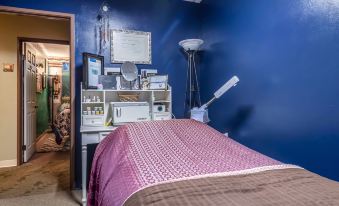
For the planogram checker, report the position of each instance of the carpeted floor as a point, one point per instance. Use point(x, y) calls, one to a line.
point(46, 143)
point(44, 180)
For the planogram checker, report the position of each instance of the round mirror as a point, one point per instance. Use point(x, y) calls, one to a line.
point(129, 71)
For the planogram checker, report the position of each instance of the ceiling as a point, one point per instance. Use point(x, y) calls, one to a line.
point(195, 1)
point(55, 50)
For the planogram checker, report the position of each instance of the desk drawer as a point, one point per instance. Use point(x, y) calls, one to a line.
point(89, 120)
point(103, 135)
point(90, 138)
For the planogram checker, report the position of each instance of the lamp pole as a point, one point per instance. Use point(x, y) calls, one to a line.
point(192, 85)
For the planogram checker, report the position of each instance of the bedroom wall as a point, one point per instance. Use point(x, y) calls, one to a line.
point(169, 21)
point(285, 53)
point(12, 27)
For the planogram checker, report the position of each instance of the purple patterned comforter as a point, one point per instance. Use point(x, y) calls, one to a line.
point(142, 154)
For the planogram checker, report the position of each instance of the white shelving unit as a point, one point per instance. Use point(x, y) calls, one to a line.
point(153, 97)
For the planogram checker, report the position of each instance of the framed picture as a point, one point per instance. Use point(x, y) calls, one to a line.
point(44, 80)
point(29, 56)
point(33, 60)
point(112, 71)
point(158, 82)
point(39, 83)
point(93, 67)
point(131, 46)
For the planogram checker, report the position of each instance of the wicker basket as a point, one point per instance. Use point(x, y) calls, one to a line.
point(128, 97)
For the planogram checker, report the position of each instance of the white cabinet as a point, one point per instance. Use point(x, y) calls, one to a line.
point(93, 120)
point(97, 106)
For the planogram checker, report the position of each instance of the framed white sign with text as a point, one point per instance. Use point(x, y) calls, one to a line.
point(131, 46)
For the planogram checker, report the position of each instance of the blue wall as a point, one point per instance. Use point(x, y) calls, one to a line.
point(286, 53)
point(169, 21)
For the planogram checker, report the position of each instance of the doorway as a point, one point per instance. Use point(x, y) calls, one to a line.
point(46, 97)
point(20, 89)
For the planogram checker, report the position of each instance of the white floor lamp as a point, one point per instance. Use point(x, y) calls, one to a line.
point(191, 46)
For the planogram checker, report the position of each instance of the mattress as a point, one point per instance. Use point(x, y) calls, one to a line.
point(276, 187)
point(139, 163)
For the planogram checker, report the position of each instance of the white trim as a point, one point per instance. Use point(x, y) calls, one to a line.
point(8, 163)
point(223, 174)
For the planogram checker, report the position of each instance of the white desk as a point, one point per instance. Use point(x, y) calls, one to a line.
point(90, 135)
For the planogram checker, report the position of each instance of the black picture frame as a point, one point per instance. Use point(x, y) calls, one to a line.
point(86, 57)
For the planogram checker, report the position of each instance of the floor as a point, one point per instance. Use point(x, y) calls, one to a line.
point(47, 143)
point(44, 180)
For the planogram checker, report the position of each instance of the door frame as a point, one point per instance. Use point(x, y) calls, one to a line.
point(55, 15)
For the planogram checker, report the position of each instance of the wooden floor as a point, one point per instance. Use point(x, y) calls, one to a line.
point(45, 175)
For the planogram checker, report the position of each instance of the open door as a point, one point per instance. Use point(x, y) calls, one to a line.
point(30, 75)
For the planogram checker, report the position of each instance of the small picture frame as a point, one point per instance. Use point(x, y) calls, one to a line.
point(44, 80)
point(158, 82)
point(29, 56)
point(39, 83)
point(8, 68)
point(33, 60)
point(93, 67)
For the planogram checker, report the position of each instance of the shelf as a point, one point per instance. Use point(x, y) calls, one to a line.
point(161, 101)
point(127, 90)
point(93, 102)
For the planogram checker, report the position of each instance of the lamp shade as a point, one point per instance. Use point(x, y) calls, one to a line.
point(191, 44)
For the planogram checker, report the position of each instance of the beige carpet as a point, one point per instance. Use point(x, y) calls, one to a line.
point(46, 143)
point(42, 181)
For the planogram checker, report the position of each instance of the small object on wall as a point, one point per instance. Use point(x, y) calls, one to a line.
point(56, 86)
point(29, 56)
point(8, 68)
point(93, 67)
point(102, 28)
point(44, 81)
point(39, 83)
point(158, 82)
point(33, 60)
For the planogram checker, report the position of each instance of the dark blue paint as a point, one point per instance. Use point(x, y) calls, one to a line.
point(169, 21)
point(286, 55)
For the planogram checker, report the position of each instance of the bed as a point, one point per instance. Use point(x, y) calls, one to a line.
point(185, 162)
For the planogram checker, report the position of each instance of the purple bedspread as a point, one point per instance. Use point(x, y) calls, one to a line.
point(141, 154)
